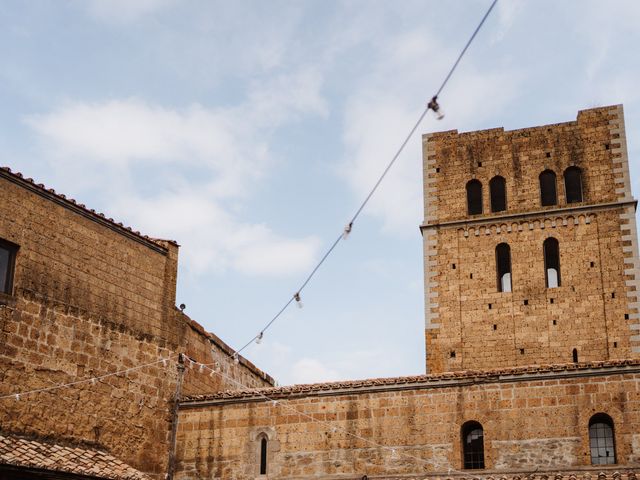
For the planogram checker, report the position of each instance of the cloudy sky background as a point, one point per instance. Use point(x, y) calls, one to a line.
point(250, 132)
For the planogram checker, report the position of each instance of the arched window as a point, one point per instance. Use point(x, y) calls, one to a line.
point(551, 262)
point(474, 197)
point(263, 455)
point(573, 184)
point(503, 267)
point(548, 195)
point(472, 445)
point(498, 191)
point(575, 355)
point(602, 440)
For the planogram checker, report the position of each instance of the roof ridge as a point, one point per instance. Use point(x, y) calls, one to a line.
point(7, 172)
point(372, 382)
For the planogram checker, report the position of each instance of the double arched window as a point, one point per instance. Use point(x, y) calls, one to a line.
point(573, 184)
point(474, 197)
point(551, 251)
point(472, 445)
point(498, 191)
point(602, 440)
point(503, 267)
point(548, 193)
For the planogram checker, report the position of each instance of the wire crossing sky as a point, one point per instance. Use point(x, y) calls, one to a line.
point(243, 130)
point(432, 105)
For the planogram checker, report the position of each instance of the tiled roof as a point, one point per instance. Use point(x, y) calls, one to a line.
point(22, 452)
point(471, 375)
point(589, 473)
point(17, 177)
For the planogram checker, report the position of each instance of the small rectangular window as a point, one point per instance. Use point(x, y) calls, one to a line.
point(7, 264)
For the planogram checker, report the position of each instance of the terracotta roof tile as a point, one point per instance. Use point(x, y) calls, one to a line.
point(473, 375)
point(610, 473)
point(23, 452)
point(6, 171)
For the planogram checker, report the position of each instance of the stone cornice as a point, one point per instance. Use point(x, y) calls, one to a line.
point(421, 382)
point(521, 216)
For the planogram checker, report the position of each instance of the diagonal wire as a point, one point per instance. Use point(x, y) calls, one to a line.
point(433, 105)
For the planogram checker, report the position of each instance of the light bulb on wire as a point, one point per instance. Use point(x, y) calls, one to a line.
point(259, 338)
point(296, 297)
point(236, 358)
point(435, 106)
point(347, 230)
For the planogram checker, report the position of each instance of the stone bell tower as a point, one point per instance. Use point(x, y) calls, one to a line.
point(530, 245)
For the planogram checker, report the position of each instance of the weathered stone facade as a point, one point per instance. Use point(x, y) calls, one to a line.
point(534, 419)
point(531, 366)
point(90, 298)
point(469, 322)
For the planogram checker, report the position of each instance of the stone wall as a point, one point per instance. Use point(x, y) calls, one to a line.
point(469, 322)
point(91, 298)
point(532, 419)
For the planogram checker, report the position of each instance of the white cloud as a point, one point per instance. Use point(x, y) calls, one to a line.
point(310, 370)
point(386, 105)
point(143, 158)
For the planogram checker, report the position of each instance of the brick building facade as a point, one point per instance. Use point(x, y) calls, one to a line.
point(530, 255)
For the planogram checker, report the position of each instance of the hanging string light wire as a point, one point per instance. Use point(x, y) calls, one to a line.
point(432, 105)
point(394, 450)
point(92, 380)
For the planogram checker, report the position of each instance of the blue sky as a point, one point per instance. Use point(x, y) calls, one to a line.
point(250, 132)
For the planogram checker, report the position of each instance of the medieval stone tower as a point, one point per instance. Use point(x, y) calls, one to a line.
point(530, 245)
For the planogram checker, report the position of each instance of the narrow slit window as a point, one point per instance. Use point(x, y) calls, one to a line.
point(498, 190)
point(575, 355)
point(7, 264)
point(474, 197)
point(573, 184)
point(473, 445)
point(602, 440)
point(548, 194)
point(503, 267)
point(552, 262)
point(263, 456)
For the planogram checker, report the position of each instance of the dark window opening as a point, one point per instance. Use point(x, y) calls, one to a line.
point(437, 169)
point(452, 354)
point(490, 306)
point(472, 445)
point(263, 456)
point(615, 344)
point(551, 262)
point(503, 267)
point(613, 294)
point(555, 322)
point(474, 197)
point(551, 300)
point(498, 191)
point(7, 264)
point(526, 302)
point(548, 195)
point(495, 327)
point(479, 164)
point(573, 184)
point(626, 316)
point(602, 440)
point(471, 275)
point(606, 146)
point(548, 154)
point(592, 264)
point(522, 351)
point(453, 266)
point(575, 355)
